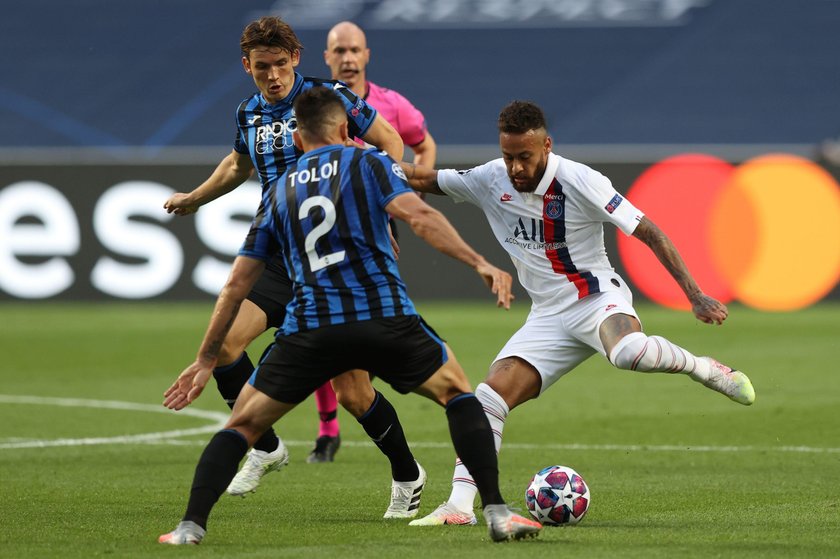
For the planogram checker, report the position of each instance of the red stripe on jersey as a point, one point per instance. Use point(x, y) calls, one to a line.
point(555, 232)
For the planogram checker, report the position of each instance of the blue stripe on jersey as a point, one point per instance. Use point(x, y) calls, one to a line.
point(375, 232)
point(379, 173)
point(327, 213)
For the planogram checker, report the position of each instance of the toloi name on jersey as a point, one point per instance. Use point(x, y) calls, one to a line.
point(325, 171)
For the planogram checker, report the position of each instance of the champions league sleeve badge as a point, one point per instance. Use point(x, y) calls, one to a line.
point(614, 203)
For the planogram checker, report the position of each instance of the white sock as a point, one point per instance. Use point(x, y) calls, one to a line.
point(639, 352)
point(463, 487)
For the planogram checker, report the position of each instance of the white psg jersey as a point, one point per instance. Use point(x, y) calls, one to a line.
point(555, 235)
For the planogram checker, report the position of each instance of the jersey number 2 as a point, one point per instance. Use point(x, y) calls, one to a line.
point(317, 262)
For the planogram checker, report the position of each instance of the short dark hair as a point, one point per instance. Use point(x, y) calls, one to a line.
point(318, 110)
point(269, 31)
point(520, 116)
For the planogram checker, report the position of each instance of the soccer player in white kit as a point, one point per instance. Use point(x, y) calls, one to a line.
point(548, 212)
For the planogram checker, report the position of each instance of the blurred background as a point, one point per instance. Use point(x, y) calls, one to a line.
point(719, 118)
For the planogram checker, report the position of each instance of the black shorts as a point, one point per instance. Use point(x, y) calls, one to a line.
point(402, 350)
point(272, 292)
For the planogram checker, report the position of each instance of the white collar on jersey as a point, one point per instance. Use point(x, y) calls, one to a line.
point(548, 176)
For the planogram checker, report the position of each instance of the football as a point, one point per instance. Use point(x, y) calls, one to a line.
point(557, 495)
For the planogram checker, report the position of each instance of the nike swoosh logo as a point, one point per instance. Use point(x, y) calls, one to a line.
point(383, 435)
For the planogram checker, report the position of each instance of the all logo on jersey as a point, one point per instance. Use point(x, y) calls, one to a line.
point(506, 197)
point(535, 231)
point(530, 235)
point(614, 203)
point(397, 170)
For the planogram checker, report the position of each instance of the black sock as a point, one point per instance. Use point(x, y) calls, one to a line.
point(383, 426)
point(214, 472)
point(473, 440)
point(229, 380)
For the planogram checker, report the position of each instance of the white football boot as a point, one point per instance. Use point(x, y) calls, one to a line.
point(445, 514)
point(405, 496)
point(503, 524)
point(726, 380)
point(186, 533)
point(257, 464)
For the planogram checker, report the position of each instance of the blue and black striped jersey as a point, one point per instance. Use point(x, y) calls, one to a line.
point(264, 131)
point(326, 214)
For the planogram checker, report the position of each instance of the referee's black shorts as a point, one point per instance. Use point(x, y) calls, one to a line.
point(403, 351)
point(272, 292)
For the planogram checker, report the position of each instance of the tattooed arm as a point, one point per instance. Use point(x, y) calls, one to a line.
point(420, 178)
point(706, 309)
point(190, 383)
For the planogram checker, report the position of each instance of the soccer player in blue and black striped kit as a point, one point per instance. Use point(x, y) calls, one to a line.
point(265, 123)
point(328, 218)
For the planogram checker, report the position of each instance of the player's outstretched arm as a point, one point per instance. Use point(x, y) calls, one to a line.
point(421, 178)
point(382, 135)
point(191, 382)
point(706, 309)
point(431, 226)
point(232, 171)
point(425, 153)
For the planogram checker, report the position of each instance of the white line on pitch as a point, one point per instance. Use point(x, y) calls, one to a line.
point(219, 418)
point(561, 446)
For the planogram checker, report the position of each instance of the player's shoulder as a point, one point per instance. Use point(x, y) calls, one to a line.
point(374, 153)
point(489, 176)
point(379, 158)
point(490, 169)
point(336, 85)
point(310, 82)
point(376, 90)
point(576, 173)
point(493, 171)
point(378, 95)
point(249, 103)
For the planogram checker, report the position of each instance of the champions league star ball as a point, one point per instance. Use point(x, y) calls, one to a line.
point(557, 495)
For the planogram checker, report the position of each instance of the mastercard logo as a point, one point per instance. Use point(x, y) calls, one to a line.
point(765, 233)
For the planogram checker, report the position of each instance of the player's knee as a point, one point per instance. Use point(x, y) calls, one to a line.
point(248, 325)
point(515, 380)
point(230, 352)
point(456, 381)
point(635, 352)
point(446, 383)
point(235, 343)
point(356, 403)
point(354, 392)
point(247, 429)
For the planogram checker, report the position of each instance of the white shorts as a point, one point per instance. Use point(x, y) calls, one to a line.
point(557, 343)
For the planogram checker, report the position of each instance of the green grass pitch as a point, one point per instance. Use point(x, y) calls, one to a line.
point(675, 470)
